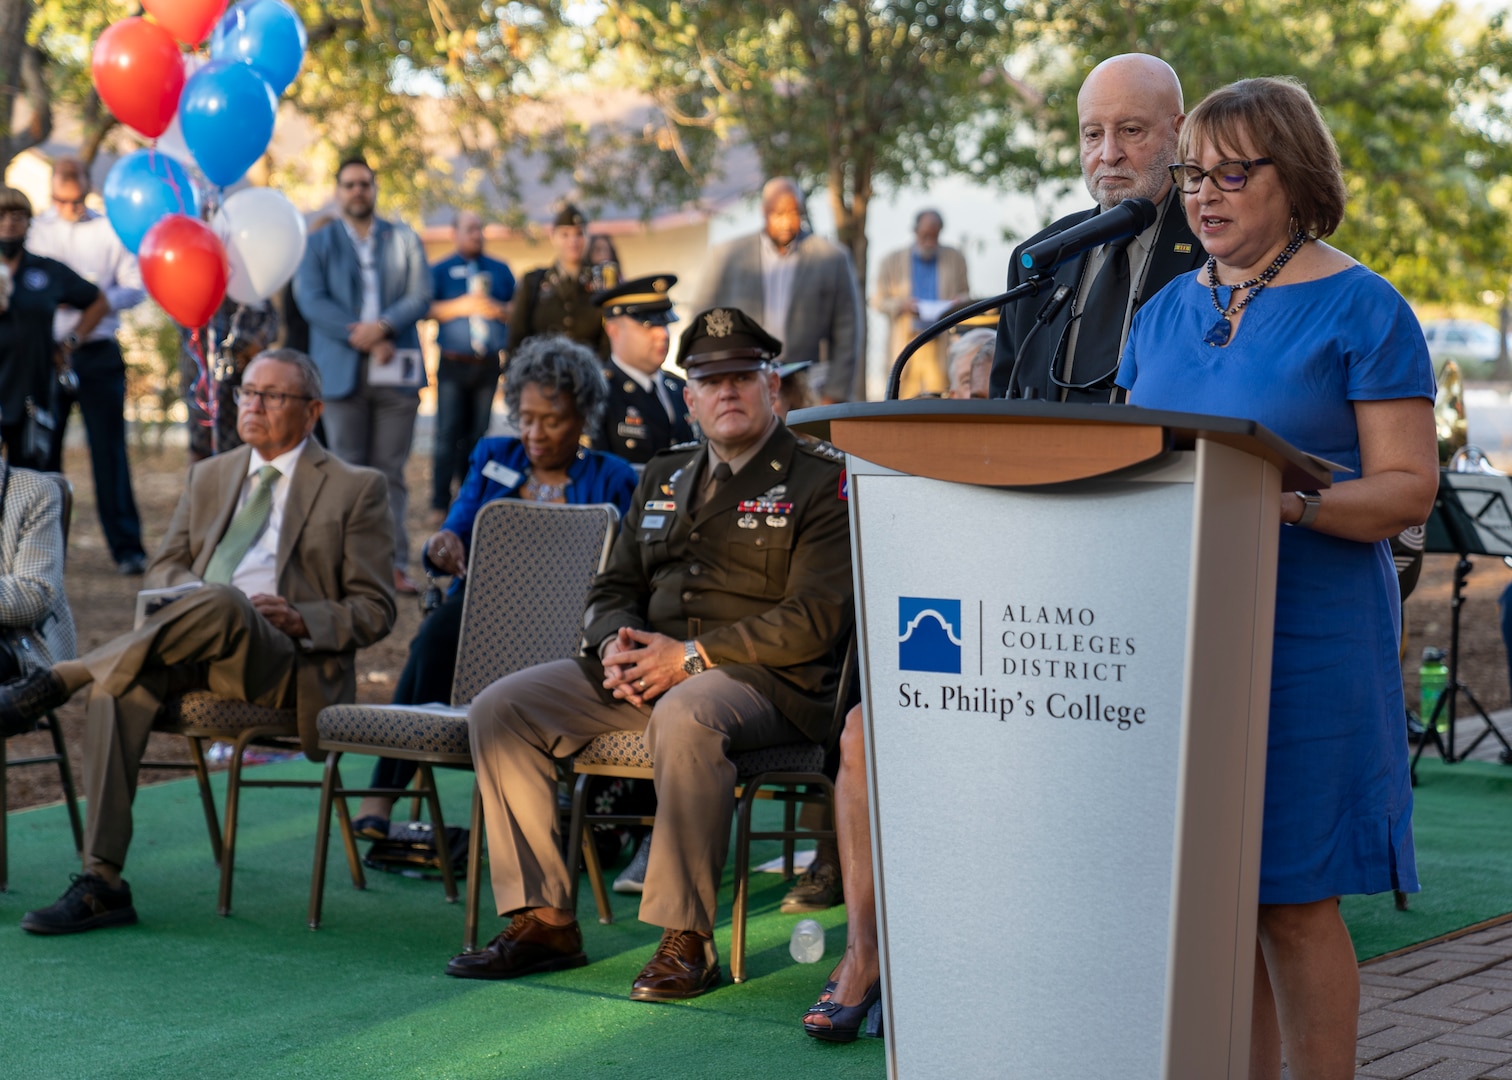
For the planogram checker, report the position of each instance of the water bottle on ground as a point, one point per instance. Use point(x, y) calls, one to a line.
point(1433, 676)
point(807, 945)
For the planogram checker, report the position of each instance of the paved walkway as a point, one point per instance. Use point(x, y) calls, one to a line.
point(1444, 1011)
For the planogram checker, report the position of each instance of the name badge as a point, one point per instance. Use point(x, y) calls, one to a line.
point(500, 473)
point(459, 271)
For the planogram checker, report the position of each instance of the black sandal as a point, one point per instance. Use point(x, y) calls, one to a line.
point(846, 1021)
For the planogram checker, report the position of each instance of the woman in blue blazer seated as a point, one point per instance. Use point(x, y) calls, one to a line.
point(553, 390)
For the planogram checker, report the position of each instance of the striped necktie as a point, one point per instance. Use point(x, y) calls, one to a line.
point(243, 530)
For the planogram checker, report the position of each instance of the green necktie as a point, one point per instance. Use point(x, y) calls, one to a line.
point(245, 526)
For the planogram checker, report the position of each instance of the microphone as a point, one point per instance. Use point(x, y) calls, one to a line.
point(1046, 313)
point(1128, 218)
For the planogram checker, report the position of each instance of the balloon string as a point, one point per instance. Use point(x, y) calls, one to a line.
point(167, 176)
point(204, 391)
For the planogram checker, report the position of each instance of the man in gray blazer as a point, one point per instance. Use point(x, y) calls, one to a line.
point(800, 287)
point(362, 288)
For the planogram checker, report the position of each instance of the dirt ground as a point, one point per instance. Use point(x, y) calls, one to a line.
point(103, 603)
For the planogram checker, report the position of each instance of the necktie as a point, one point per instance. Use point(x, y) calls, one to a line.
point(1099, 342)
point(243, 530)
point(717, 477)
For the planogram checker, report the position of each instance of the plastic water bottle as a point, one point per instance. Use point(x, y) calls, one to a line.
point(807, 945)
point(1433, 676)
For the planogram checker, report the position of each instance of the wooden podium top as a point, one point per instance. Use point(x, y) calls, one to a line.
point(1004, 443)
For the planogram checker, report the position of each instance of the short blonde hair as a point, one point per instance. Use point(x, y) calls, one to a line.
point(11, 199)
point(1280, 120)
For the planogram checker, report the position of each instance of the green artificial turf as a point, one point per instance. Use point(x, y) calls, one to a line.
point(1462, 824)
point(187, 993)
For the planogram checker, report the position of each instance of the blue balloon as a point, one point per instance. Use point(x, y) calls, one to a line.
point(144, 187)
point(227, 112)
point(266, 34)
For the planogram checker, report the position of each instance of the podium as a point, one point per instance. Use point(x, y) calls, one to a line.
point(1064, 617)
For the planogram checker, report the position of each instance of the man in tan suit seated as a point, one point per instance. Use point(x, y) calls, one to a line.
point(915, 286)
point(291, 549)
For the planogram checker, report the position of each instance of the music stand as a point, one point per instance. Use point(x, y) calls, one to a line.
point(1472, 515)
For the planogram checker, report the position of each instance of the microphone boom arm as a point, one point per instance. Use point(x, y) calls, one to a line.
point(1031, 287)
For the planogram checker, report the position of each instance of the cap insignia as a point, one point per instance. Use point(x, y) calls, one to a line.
point(719, 323)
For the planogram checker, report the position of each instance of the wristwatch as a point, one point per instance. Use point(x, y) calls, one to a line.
point(693, 663)
point(1311, 501)
point(70, 343)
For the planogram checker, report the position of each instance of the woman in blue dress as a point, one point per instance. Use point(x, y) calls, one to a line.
point(1283, 329)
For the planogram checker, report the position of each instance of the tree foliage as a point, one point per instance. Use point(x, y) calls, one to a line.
point(380, 77)
point(850, 95)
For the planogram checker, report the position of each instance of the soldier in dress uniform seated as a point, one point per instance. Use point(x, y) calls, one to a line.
point(717, 627)
point(646, 411)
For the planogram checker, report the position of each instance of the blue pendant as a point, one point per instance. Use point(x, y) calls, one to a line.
point(1220, 333)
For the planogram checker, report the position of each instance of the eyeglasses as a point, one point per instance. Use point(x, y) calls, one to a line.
point(270, 399)
point(1226, 175)
point(72, 204)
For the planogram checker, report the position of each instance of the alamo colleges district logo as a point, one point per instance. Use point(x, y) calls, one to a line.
point(929, 634)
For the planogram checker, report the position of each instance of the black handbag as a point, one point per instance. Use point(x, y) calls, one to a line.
point(37, 433)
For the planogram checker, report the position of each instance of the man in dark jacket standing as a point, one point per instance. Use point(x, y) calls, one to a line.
point(1129, 113)
point(717, 627)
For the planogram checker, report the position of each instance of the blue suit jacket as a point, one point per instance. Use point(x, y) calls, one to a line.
point(596, 477)
point(328, 290)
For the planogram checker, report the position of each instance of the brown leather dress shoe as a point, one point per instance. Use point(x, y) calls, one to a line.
point(527, 946)
point(684, 966)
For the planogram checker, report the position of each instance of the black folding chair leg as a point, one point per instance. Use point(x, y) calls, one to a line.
point(742, 883)
point(233, 805)
point(348, 837)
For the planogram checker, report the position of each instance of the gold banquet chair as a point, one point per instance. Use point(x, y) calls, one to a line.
point(527, 584)
point(59, 755)
point(757, 772)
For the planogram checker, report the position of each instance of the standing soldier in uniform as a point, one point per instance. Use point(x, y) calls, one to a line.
point(718, 626)
point(646, 411)
point(556, 299)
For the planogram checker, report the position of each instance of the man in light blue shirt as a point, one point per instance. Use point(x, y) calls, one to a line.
point(472, 297)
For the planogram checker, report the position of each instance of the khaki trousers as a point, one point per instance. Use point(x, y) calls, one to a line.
point(210, 639)
point(523, 721)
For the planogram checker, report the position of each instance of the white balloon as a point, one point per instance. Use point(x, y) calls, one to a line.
point(171, 141)
point(265, 239)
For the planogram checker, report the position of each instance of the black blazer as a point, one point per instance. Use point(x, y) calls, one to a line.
point(635, 425)
point(1176, 252)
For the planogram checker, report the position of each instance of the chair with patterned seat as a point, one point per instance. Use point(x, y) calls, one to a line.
point(203, 718)
point(49, 723)
point(528, 575)
point(757, 772)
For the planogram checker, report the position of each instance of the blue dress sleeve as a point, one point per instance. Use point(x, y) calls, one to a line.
point(1391, 358)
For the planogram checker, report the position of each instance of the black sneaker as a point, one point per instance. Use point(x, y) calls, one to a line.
point(89, 904)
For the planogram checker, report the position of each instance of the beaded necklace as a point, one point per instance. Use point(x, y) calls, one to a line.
point(1223, 329)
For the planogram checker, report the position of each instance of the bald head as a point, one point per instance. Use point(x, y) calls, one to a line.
point(782, 207)
point(1128, 114)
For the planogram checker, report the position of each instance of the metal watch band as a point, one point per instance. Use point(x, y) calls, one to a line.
point(1311, 501)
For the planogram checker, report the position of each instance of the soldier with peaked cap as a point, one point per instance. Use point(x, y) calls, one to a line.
point(718, 626)
point(555, 299)
point(646, 411)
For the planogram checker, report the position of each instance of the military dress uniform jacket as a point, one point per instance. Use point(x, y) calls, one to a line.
point(759, 575)
point(635, 424)
point(549, 303)
point(1174, 252)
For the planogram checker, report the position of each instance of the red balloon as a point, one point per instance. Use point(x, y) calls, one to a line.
point(184, 268)
point(188, 20)
point(139, 73)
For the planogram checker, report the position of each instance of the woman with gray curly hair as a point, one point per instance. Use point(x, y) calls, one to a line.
point(553, 389)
